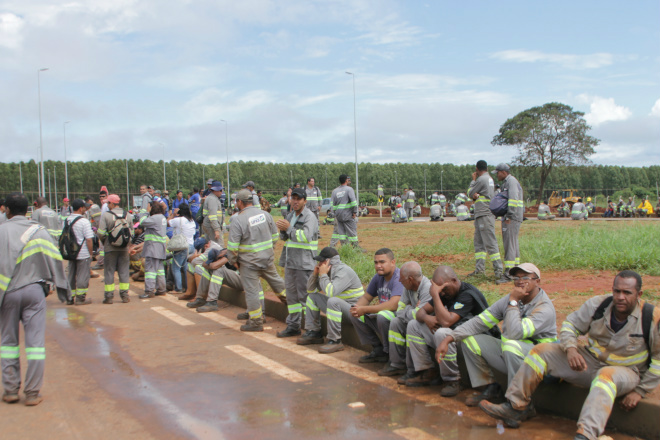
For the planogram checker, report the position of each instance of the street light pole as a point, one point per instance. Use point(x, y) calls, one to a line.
point(424, 186)
point(357, 177)
point(227, 149)
point(396, 182)
point(20, 173)
point(66, 170)
point(41, 143)
point(442, 172)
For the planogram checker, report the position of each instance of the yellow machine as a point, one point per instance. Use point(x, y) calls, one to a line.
point(569, 194)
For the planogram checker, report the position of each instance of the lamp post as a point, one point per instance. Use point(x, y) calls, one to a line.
point(66, 170)
point(425, 186)
point(357, 177)
point(227, 149)
point(20, 173)
point(396, 182)
point(41, 143)
point(441, 174)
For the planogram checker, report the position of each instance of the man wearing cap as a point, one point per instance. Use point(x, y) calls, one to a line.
point(300, 233)
point(314, 198)
point(65, 210)
point(79, 269)
point(213, 217)
point(528, 318)
point(482, 189)
point(512, 220)
point(255, 198)
point(146, 199)
point(47, 217)
point(115, 258)
point(344, 205)
point(590, 206)
point(410, 203)
point(333, 288)
point(252, 233)
point(399, 215)
point(579, 211)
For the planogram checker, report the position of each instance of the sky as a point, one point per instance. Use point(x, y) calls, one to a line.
point(266, 80)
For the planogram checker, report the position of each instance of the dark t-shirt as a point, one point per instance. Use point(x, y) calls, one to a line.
point(385, 290)
point(463, 304)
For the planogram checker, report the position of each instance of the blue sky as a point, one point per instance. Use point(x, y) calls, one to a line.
point(434, 81)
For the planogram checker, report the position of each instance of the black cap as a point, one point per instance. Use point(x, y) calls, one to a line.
point(299, 192)
point(78, 203)
point(326, 253)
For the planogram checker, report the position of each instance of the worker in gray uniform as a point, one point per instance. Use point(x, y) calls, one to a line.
point(620, 359)
point(31, 264)
point(255, 198)
point(415, 295)
point(579, 211)
point(314, 198)
point(481, 191)
point(115, 258)
point(462, 212)
point(436, 213)
point(147, 198)
point(528, 318)
point(47, 217)
point(252, 233)
point(154, 251)
point(333, 288)
point(299, 232)
point(544, 212)
point(218, 272)
point(213, 217)
point(410, 203)
point(512, 220)
point(344, 205)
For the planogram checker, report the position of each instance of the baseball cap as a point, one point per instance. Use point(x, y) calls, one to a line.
point(200, 243)
point(299, 192)
point(399, 205)
point(244, 195)
point(326, 252)
point(216, 186)
point(114, 198)
point(501, 167)
point(528, 268)
point(65, 199)
point(209, 181)
point(77, 204)
point(248, 183)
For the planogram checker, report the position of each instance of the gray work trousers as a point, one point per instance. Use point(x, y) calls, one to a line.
point(373, 329)
point(78, 275)
point(399, 353)
point(605, 383)
point(212, 282)
point(209, 234)
point(26, 305)
point(334, 308)
point(409, 214)
point(420, 340)
point(484, 353)
point(345, 231)
point(510, 241)
point(154, 275)
point(296, 294)
point(485, 244)
point(116, 261)
point(251, 279)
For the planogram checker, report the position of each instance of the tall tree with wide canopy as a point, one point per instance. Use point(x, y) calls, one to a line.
point(548, 136)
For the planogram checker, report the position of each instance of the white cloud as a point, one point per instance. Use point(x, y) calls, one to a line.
point(655, 111)
point(603, 110)
point(11, 26)
point(571, 61)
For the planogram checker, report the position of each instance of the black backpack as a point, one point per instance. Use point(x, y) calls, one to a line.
point(68, 244)
point(499, 205)
point(120, 234)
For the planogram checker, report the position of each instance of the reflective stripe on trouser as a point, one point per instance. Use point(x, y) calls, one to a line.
point(397, 342)
point(510, 242)
point(78, 275)
point(120, 262)
point(296, 294)
point(605, 382)
point(420, 340)
point(154, 275)
point(27, 304)
point(484, 353)
point(409, 214)
point(209, 233)
point(345, 231)
point(373, 329)
point(334, 308)
point(485, 244)
point(251, 280)
point(230, 278)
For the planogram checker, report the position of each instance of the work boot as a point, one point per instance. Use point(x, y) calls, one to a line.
point(310, 337)
point(198, 302)
point(390, 370)
point(33, 399)
point(161, 293)
point(94, 275)
point(288, 332)
point(253, 325)
point(210, 306)
point(377, 355)
point(424, 378)
point(492, 393)
point(124, 298)
point(243, 316)
point(147, 295)
point(97, 267)
point(10, 397)
point(70, 302)
point(108, 299)
point(509, 415)
point(331, 347)
point(82, 300)
point(474, 274)
point(451, 389)
point(402, 380)
point(187, 297)
point(503, 280)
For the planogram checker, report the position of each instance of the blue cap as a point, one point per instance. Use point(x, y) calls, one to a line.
point(200, 243)
point(216, 186)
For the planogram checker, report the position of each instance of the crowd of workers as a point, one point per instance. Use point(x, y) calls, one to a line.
point(413, 323)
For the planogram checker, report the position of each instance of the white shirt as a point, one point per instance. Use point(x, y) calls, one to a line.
point(182, 225)
point(82, 230)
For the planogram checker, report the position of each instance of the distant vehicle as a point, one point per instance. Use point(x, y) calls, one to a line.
point(569, 194)
point(326, 205)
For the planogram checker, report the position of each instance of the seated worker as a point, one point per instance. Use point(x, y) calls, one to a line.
point(528, 318)
point(417, 211)
point(579, 211)
point(415, 295)
point(462, 213)
point(590, 206)
point(329, 218)
point(192, 279)
point(622, 358)
point(437, 213)
point(221, 273)
point(564, 208)
point(645, 209)
point(399, 215)
point(610, 210)
point(333, 288)
point(544, 212)
point(372, 322)
point(453, 302)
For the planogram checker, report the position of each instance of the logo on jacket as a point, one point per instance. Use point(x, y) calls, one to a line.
point(257, 219)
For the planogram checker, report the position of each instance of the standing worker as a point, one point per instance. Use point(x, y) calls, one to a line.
point(512, 220)
point(213, 217)
point(255, 198)
point(481, 191)
point(47, 217)
point(147, 198)
point(116, 256)
point(30, 263)
point(79, 269)
point(344, 205)
point(410, 203)
point(314, 199)
point(153, 250)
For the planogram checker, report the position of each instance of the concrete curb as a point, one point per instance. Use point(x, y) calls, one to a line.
point(562, 399)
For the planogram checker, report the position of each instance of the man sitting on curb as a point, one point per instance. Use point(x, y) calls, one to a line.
point(453, 303)
point(372, 322)
point(528, 317)
point(622, 358)
point(332, 288)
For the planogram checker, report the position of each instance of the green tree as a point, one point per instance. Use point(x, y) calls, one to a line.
point(548, 136)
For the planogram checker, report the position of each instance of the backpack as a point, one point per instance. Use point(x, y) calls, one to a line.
point(499, 204)
point(68, 244)
point(120, 234)
point(647, 320)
